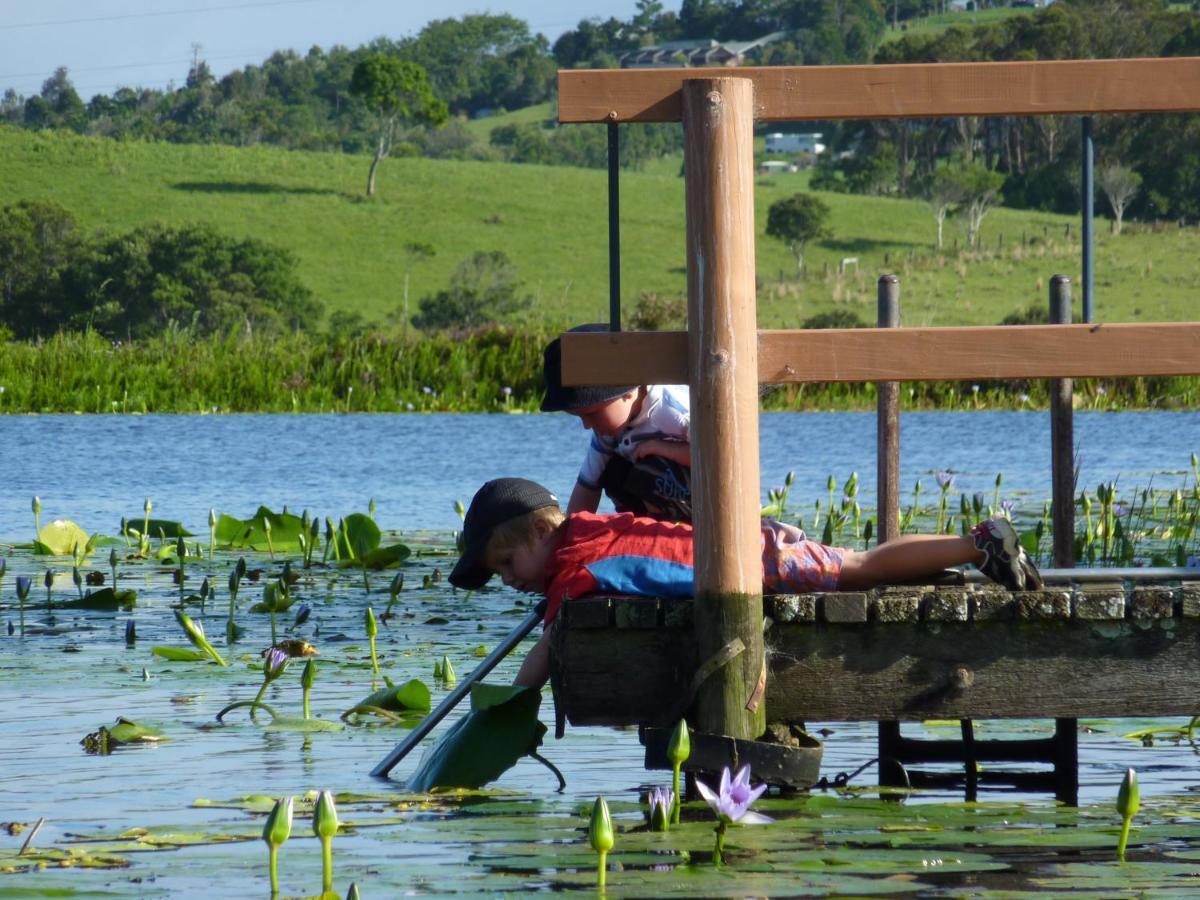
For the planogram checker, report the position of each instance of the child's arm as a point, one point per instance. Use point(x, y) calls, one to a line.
point(583, 499)
point(535, 668)
point(676, 451)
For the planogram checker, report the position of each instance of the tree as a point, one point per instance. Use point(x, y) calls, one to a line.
point(979, 189)
point(1120, 186)
point(942, 191)
point(796, 220)
point(483, 289)
point(396, 92)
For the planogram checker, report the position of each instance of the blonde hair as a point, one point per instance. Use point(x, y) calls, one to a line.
point(521, 530)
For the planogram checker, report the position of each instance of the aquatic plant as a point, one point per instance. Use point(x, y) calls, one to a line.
point(275, 663)
point(679, 748)
point(325, 826)
point(372, 630)
point(662, 806)
point(48, 581)
point(307, 677)
point(232, 630)
point(394, 589)
point(600, 836)
point(449, 676)
point(77, 579)
point(195, 632)
point(731, 802)
point(1128, 800)
point(36, 505)
point(945, 480)
point(212, 532)
point(24, 583)
point(276, 830)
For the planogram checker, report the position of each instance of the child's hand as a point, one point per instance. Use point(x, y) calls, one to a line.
point(676, 451)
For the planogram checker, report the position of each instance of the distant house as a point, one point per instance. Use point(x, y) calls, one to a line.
point(702, 52)
point(778, 142)
point(776, 167)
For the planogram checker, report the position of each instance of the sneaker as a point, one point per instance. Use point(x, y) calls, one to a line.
point(1005, 560)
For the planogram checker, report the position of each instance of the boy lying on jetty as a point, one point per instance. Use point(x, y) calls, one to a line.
point(515, 529)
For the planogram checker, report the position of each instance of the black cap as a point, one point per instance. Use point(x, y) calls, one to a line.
point(493, 504)
point(567, 399)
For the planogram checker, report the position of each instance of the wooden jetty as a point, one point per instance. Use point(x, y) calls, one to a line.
point(901, 653)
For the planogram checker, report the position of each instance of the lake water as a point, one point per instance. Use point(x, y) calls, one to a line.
point(94, 469)
point(57, 685)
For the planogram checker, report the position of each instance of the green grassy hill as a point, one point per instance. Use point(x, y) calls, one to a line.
point(552, 223)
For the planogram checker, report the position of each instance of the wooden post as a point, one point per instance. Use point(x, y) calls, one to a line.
point(1062, 439)
point(887, 423)
point(718, 117)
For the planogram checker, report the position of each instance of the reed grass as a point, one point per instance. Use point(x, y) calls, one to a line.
point(497, 370)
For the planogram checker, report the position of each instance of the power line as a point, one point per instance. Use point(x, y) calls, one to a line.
point(156, 14)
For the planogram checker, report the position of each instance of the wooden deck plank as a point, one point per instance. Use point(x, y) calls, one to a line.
point(1040, 656)
point(926, 90)
point(902, 354)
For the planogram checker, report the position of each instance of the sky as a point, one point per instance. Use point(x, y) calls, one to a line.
point(106, 44)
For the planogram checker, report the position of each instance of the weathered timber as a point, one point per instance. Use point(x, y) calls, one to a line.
point(902, 354)
point(723, 377)
point(791, 93)
point(907, 653)
point(796, 766)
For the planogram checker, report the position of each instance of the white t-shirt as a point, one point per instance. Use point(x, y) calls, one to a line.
point(665, 413)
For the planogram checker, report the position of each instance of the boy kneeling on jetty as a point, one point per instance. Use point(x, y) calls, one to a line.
point(514, 528)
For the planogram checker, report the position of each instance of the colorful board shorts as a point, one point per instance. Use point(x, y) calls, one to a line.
point(792, 564)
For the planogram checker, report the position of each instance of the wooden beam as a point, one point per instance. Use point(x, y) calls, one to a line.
point(719, 184)
point(913, 91)
point(903, 354)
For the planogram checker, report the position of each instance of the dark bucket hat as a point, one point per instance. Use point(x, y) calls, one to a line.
point(568, 399)
point(493, 504)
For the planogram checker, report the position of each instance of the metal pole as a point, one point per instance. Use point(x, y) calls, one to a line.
point(1062, 439)
point(614, 227)
point(887, 423)
point(1089, 194)
point(452, 699)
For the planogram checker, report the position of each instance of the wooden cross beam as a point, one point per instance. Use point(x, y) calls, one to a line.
point(901, 354)
point(926, 90)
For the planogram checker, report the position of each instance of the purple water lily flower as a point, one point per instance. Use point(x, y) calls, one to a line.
point(24, 583)
point(661, 801)
point(945, 479)
point(731, 802)
point(276, 662)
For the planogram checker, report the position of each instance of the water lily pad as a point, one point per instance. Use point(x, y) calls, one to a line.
point(154, 527)
point(386, 557)
point(251, 533)
point(61, 538)
point(180, 654)
point(412, 695)
point(296, 723)
point(501, 727)
point(356, 539)
point(125, 731)
point(104, 599)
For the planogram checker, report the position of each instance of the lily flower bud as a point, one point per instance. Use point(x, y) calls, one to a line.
point(24, 583)
point(278, 827)
point(36, 505)
point(679, 747)
point(448, 675)
point(325, 820)
point(1129, 796)
point(372, 626)
point(600, 828)
point(309, 675)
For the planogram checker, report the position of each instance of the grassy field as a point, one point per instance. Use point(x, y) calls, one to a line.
point(935, 24)
point(551, 221)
